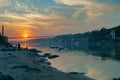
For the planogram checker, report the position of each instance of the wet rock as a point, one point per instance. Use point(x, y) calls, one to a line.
point(33, 50)
point(25, 68)
point(5, 77)
point(48, 63)
point(76, 73)
point(53, 56)
point(9, 56)
point(80, 76)
point(116, 78)
point(44, 61)
point(32, 54)
point(47, 54)
point(8, 49)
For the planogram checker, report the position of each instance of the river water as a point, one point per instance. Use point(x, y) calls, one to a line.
point(80, 61)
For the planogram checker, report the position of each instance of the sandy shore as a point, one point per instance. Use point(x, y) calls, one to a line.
point(25, 65)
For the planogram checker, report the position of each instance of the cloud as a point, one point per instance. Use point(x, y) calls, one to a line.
point(34, 22)
point(4, 3)
point(98, 11)
point(30, 16)
point(75, 2)
point(71, 8)
point(92, 9)
point(57, 16)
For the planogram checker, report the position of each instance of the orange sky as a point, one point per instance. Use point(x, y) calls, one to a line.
point(55, 17)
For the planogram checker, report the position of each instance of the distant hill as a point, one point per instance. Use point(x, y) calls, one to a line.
point(83, 40)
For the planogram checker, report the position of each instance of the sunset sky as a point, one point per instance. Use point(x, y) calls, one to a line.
point(53, 17)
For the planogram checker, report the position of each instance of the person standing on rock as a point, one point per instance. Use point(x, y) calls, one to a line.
point(19, 46)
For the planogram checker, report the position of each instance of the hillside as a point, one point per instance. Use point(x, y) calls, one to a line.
point(85, 39)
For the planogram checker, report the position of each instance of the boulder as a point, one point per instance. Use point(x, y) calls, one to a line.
point(5, 77)
point(116, 78)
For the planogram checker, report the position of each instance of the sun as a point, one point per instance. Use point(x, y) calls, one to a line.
point(25, 35)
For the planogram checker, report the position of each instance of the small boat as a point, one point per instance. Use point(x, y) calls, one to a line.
point(53, 56)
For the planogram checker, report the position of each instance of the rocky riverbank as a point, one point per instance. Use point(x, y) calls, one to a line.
point(26, 65)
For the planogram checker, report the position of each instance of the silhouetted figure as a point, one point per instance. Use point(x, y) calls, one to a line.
point(19, 46)
point(26, 47)
point(0, 35)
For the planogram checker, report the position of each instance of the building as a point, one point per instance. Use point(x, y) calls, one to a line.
point(3, 39)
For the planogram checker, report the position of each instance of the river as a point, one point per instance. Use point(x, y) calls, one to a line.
point(80, 61)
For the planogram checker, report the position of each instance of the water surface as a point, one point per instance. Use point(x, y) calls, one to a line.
point(80, 61)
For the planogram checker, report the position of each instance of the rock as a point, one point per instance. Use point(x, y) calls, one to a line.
point(47, 54)
point(44, 61)
point(33, 50)
point(32, 54)
point(25, 67)
point(9, 56)
point(48, 63)
point(8, 49)
point(116, 78)
point(53, 56)
point(76, 73)
point(80, 76)
point(5, 77)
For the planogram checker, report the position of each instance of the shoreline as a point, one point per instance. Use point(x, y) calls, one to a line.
point(26, 65)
